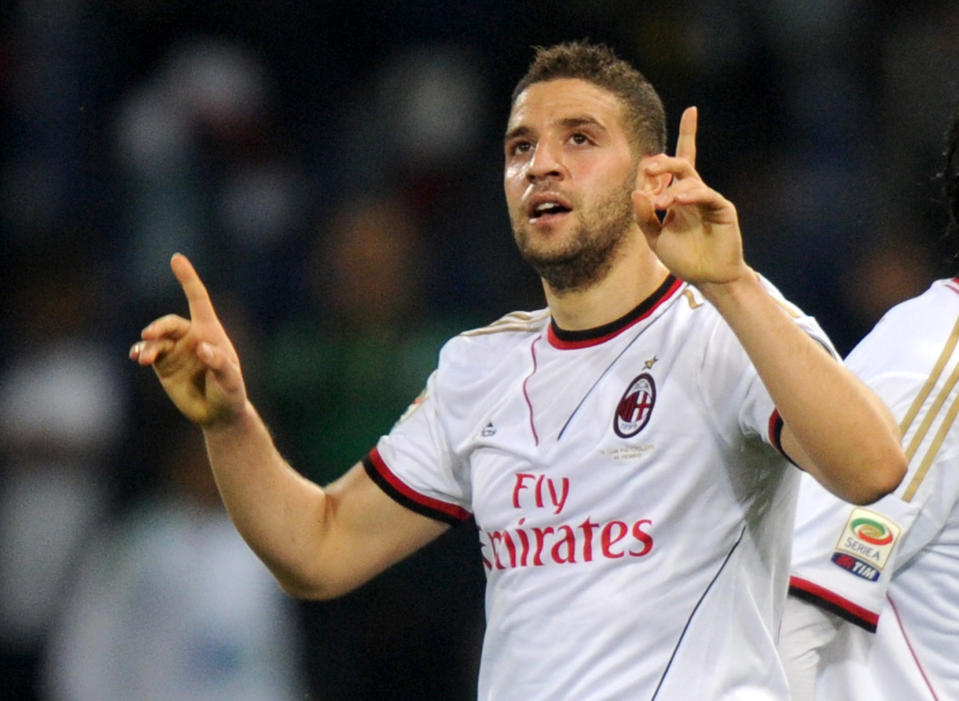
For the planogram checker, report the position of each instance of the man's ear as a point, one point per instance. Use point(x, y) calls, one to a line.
point(648, 188)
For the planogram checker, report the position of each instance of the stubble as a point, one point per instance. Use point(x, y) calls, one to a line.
point(591, 248)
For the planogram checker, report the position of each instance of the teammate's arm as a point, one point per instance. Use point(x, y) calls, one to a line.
point(318, 542)
point(806, 631)
point(835, 427)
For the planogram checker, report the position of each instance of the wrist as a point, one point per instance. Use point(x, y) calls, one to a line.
point(732, 291)
point(232, 423)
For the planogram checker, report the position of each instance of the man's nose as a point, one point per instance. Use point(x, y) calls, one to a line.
point(547, 162)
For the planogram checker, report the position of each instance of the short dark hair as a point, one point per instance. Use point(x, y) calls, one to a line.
point(597, 64)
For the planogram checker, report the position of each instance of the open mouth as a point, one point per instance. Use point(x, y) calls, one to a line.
point(549, 208)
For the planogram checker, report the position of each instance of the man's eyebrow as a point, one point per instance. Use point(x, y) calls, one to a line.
point(566, 123)
point(573, 122)
point(516, 132)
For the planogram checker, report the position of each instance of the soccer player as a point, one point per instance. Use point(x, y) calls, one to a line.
point(623, 450)
point(874, 606)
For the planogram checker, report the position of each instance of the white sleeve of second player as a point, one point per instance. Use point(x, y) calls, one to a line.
point(844, 555)
point(806, 630)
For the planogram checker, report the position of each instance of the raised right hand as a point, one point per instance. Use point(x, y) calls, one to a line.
point(699, 239)
point(194, 358)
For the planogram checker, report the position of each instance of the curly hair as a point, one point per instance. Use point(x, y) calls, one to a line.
point(597, 64)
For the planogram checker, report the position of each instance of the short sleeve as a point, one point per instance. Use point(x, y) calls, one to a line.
point(731, 382)
point(844, 556)
point(414, 464)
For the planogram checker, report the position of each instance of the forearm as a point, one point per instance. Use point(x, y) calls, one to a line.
point(318, 542)
point(835, 427)
point(279, 513)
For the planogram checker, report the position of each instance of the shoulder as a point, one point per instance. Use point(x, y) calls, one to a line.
point(721, 334)
point(517, 322)
point(791, 309)
point(486, 344)
point(937, 307)
point(805, 321)
point(913, 333)
point(911, 360)
point(479, 363)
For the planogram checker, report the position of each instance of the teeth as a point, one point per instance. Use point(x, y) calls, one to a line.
point(540, 208)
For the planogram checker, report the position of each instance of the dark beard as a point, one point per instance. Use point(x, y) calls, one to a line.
point(590, 253)
point(578, 268)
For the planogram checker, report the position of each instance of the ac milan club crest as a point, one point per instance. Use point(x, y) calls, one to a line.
point(635, 407)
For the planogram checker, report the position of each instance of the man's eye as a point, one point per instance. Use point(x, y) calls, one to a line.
point(520, 147)
point(579, 139)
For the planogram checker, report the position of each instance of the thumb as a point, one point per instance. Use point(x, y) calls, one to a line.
point(208, 354)
point(226, 372)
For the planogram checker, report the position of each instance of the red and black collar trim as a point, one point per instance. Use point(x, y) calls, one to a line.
point(567, 340)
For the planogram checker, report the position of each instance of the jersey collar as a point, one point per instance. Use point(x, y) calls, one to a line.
point(568, 340)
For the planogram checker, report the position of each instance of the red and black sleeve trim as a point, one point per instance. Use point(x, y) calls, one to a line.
point(776, 430)
point(401, 493)
point(776, 434)
point(822, 597)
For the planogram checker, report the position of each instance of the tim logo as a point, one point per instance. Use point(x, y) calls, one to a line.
point(856, 566)
point(635, 407)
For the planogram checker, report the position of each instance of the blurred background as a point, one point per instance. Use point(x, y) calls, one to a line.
point(334, 172)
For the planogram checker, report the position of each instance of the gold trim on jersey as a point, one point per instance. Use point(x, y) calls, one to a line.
point(691, 298)
point(933, 451)
point(514, 321)
point(934, 412)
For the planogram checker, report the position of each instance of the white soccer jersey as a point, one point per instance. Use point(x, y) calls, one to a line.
point(898, 557)
point(634, 517)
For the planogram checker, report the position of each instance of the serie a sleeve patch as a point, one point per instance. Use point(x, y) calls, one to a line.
point(866, 543)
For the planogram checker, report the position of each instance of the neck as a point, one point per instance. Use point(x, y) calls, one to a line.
point(635, 275)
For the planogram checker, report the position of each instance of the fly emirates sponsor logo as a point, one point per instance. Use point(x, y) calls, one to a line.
point(560, 543)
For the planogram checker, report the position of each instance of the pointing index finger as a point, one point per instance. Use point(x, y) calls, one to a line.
point(686, 143)
point(197, 297)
